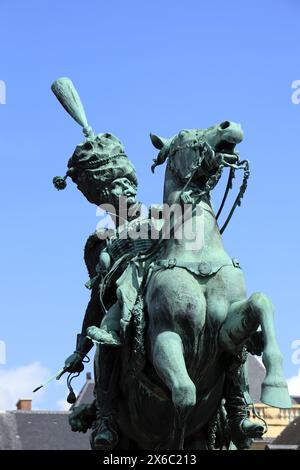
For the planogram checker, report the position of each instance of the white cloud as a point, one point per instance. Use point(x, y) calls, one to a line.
point(63, 405)
point(2, 352)
point(19, 383)
point(294, 385)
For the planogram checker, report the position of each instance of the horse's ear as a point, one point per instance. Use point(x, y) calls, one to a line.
point(157, 141)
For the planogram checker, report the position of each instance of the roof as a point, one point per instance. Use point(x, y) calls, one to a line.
point(290, 435)
point(42, 429)
point(296, 399)
point(39, 430)
point(86, 394)
point(9, 435)
point(256, 374)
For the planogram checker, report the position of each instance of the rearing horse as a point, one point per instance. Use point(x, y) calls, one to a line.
point(198, 312)
point(196, 299)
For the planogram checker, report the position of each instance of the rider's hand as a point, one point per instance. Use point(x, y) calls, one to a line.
point(82, 417)
point(74, 362)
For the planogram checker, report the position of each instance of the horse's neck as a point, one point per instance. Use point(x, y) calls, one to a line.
point(196, 236)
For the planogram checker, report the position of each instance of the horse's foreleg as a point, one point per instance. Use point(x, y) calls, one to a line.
point(169, 363)
point(243, 319)
point(177, 310)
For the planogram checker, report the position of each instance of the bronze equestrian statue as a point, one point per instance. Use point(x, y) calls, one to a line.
point(170, 316)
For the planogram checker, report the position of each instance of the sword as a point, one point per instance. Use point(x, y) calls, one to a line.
point(56, 376)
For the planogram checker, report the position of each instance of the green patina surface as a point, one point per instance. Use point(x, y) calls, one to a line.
point(170, 317)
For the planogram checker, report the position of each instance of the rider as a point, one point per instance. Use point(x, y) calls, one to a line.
point(103, 174)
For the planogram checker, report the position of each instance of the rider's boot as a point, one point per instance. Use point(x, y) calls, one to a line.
point(238, 400)
point(105, 431)
point(104, 336)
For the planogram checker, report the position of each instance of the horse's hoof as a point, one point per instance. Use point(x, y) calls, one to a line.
point(276, 395)
point(184, 396)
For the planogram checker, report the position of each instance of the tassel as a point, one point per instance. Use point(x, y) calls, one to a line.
point(59, 182)
point(71, 397)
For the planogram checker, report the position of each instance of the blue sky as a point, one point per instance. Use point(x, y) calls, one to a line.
point(157, 66)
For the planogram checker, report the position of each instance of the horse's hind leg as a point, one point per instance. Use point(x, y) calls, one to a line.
point(243, 319)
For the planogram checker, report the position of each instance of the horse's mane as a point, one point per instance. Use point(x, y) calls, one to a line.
point(164, 145)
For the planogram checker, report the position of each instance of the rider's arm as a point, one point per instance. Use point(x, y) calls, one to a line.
point(93, 316)
point(83, 344)
point(94, 312)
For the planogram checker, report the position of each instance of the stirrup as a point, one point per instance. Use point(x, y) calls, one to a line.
point(242, 437)
point(254, 430)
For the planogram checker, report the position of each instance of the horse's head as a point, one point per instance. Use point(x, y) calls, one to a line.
point(198, 153)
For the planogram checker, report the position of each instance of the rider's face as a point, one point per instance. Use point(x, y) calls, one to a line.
point(123, 187)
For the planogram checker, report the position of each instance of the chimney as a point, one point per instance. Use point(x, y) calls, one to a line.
point(24, 404)
point(88, 376)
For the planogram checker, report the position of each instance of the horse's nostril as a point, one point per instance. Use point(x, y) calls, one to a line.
point(224, 125)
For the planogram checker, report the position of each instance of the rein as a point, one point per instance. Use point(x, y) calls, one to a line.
point(243, 165)
point(203, 149)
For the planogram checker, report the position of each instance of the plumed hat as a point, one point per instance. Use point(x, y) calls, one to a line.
point(98, 161)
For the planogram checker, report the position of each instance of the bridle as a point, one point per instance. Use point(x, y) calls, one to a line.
point(202, 148)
